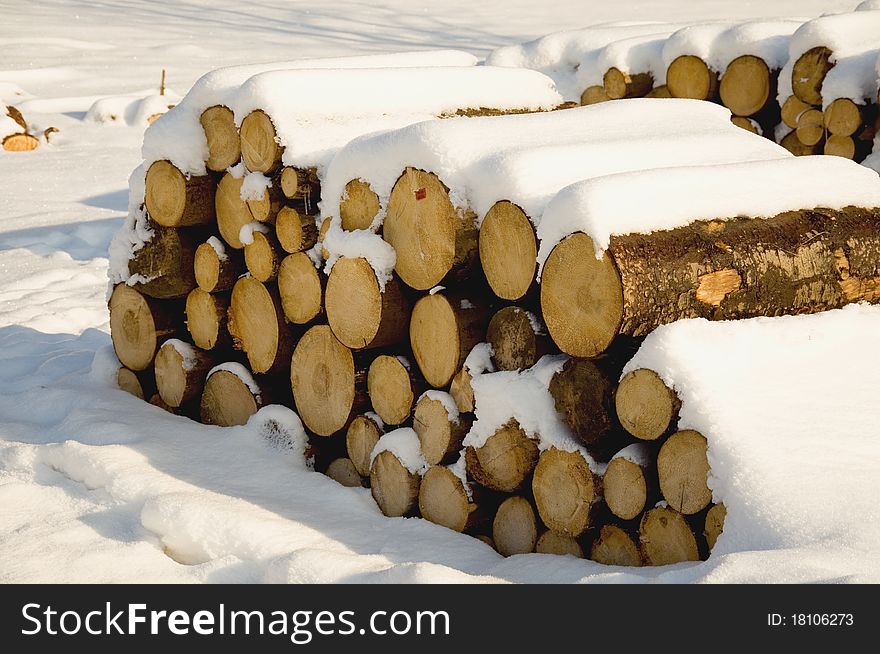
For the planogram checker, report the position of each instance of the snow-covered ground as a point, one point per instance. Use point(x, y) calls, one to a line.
point(98, 486)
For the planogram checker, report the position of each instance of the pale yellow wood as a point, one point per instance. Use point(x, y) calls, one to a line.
point(566, 491)
point(689, 77)
point(683, 470)
point(224, 146)
point(745, 85)
point(227, 400)
point(259, 149)
point(232, 211)
point(615, 547)
point(645, 405)
point(443, 499)
point(360, 438)
point(390, 389)
point(342, 471)
point(359, 205)
point(665, 538)
point(395, 489)
point(508, 250)
point(551, 542)
point(515, 529)
point(300, 288)
point(254, 324)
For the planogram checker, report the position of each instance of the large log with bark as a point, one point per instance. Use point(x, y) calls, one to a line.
point(140, 324)
point(796, 262)
point(440, 435)
point(646, 407)
point(505, 461)
point(665, 537)
point(395, 489)
point(566, 491)
point(257, 326)
point(329, 382)
point(518, 339)
point(434, 241)
point(227, 400)
point(515, 527)
point(174, 199)
point(221, 133)
point(362, 314)
point(165, 263)
point(508, 250)
point(181, 372)
point(683, 470)
point(360, 438)
point(393, 386)
point(206, 319)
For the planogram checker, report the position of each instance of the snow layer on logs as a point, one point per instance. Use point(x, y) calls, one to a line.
point(789, 410)
point(404, 444)
point(654, 200)
point(179, 136)
point(241, 372)
point(853, 77)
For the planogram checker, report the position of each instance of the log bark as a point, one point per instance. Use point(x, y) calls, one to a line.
point(259, 149)
point(444, 501)
point(584, 398)
point(646, 407)
point(618, 84)
point(359, 205)
point(440, 435)
point(166, 262)
point(141, 384)
point(360, 438)
point(224, 145)
point(690, 77)
point(515, 527)
point(206, 319)
point(139, 325)
point(393, 386)
point(792, 108)
point(808, 73)
point(256, 324)
point(714, 524)
point(630, 484)
point(793, 263)
point(615, 546)
point(508, 250)
point(395, 489)
point(443, 329)
point(227, 400)
point(665, 538)
point(301, 287)
point(296, 231)
point(594, 95)
point(551, 542)
point(566, 491)
point(262, 256)
point(214, 271)
point(811, 127)
point(301, 184)
point(343, 472)
point(232, 212)
point(747, 85)
point(180, 380)
point(434, 241)
point(683, 470)
point(361, 314)
point(517, 338)
point(329, 383)
point(15, 114)
point(505, 461)
point(175, 200)
point(20, 143)
point(461, 391)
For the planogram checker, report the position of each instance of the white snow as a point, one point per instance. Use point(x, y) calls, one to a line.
point(7, 125)
point(446, 400)
point(131, 109)
point(854, 77)
point(404, 444)
point(459, 469)
point(638, 54)
point(254, 186)
point(372, 415)
point(186, 351)
point(246, 233)
point(869, 5)
point(359, 243)
point(218, 247)
point(479, 359)
point(696, 40)
point(652, 200)
point(788, 409)
point(241, 372)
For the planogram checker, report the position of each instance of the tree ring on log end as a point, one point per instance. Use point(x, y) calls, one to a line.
point(508, 250)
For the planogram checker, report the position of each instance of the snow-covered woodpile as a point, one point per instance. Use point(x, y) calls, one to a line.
point(451, 306)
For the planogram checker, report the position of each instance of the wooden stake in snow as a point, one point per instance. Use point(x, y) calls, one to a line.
point(505, 461)
point(747, 85)
point(665, 538)
point(439, 435)
point(566, 491)
point(224, 146)
point(180, 379)
point(619, 84)
point(214, 272)
point(296, 231)
point(256, 324)
point(166, 263)
point(175, 200)
point(808, 73)
point(690, 77)
point(584, 399)
point(552, 543)
point(360, 313)
point(433, 240)
point(444, 501)
point(227, 400)
point(342, 471)
point(359, 205)
point(714, 524)
point(138, 325)
point(683, 470)
point(360, 438)
point(301, 287)
point(443, 329)
point(393, 389)
point(395, 489)
point(206, 319)
point(645, 405)
point(517, 340)
point(508, 251)
point(259, 149)
point(515, 528)
point(329, 384)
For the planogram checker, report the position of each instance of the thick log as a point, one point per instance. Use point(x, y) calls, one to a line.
point(359, 205)
point(618, 84)
point(206, 319)
point(443, 329)
point(360, 438)
point(690, 77)
point(444, 500)
point(683, 470)
point(139, 325)
point(584, 398)
point(515, 527)
point(395, 489)
point(811, 127)
point(232, 212)
point(329, 383)
point(646, 407)
point(461, 391)
point(301, 184)
point(566, 491)
point(165, 263)
point(227, 400)
point(793, 263)
point(808, 73)
point(296, 231)
point(439, 434)
point(665, 538)
point(262, 256)
point(180, 379)
point(20, 143)
point(508, 250)
point(256, 324)
point(505, 461)
point(434, 241)
point(792, 143)
point(393, 387)
point(224, 146)
point(342, 471)
point(792, 109)
point(551, 542)
point(843, 117)
point(715, 517)
point(614, 546)
point(517, 338)
point(301, 287)
point(594, 95)
point(216, 268)
point(141, 384)
point(259, 150)
point(175, 200)
point(630, 483)
point(747, 85)
point(361, 314)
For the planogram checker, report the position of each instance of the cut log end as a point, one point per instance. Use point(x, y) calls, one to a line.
point(619, 84)
point(745, 86)
point(808, 73)
point(206, 316)
point(296, 232)
point(175, 200)
point(843, 117)
point(792, 108)
point(683, 470)
point(515, 528)
point(444, 501)
point(391, 389)
point(227, 400)
point(505, 461)
point(552, 543)
point(232, 212)
point(259, 149)
point(614, 546)
point(257, 326)
point(262, 256)
point(566, 491)
point(625, 486)
point(583, 396)
point(811, 127)
point(224, 145)
point(342, 471)
point(300, 288)
point(215, 273)
point(714, 524)
point(594, 95)
point(665, 538)
point(395, 489)
point(508, 250)
point(128, 381)
point(300, 184)
point(690, 77)
point(180, 380)
point(137, 326)
point(359, 205)
point(439, 436)
point(20, 143)
point(516, 345)
point(645, 405)
point(360, 438)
